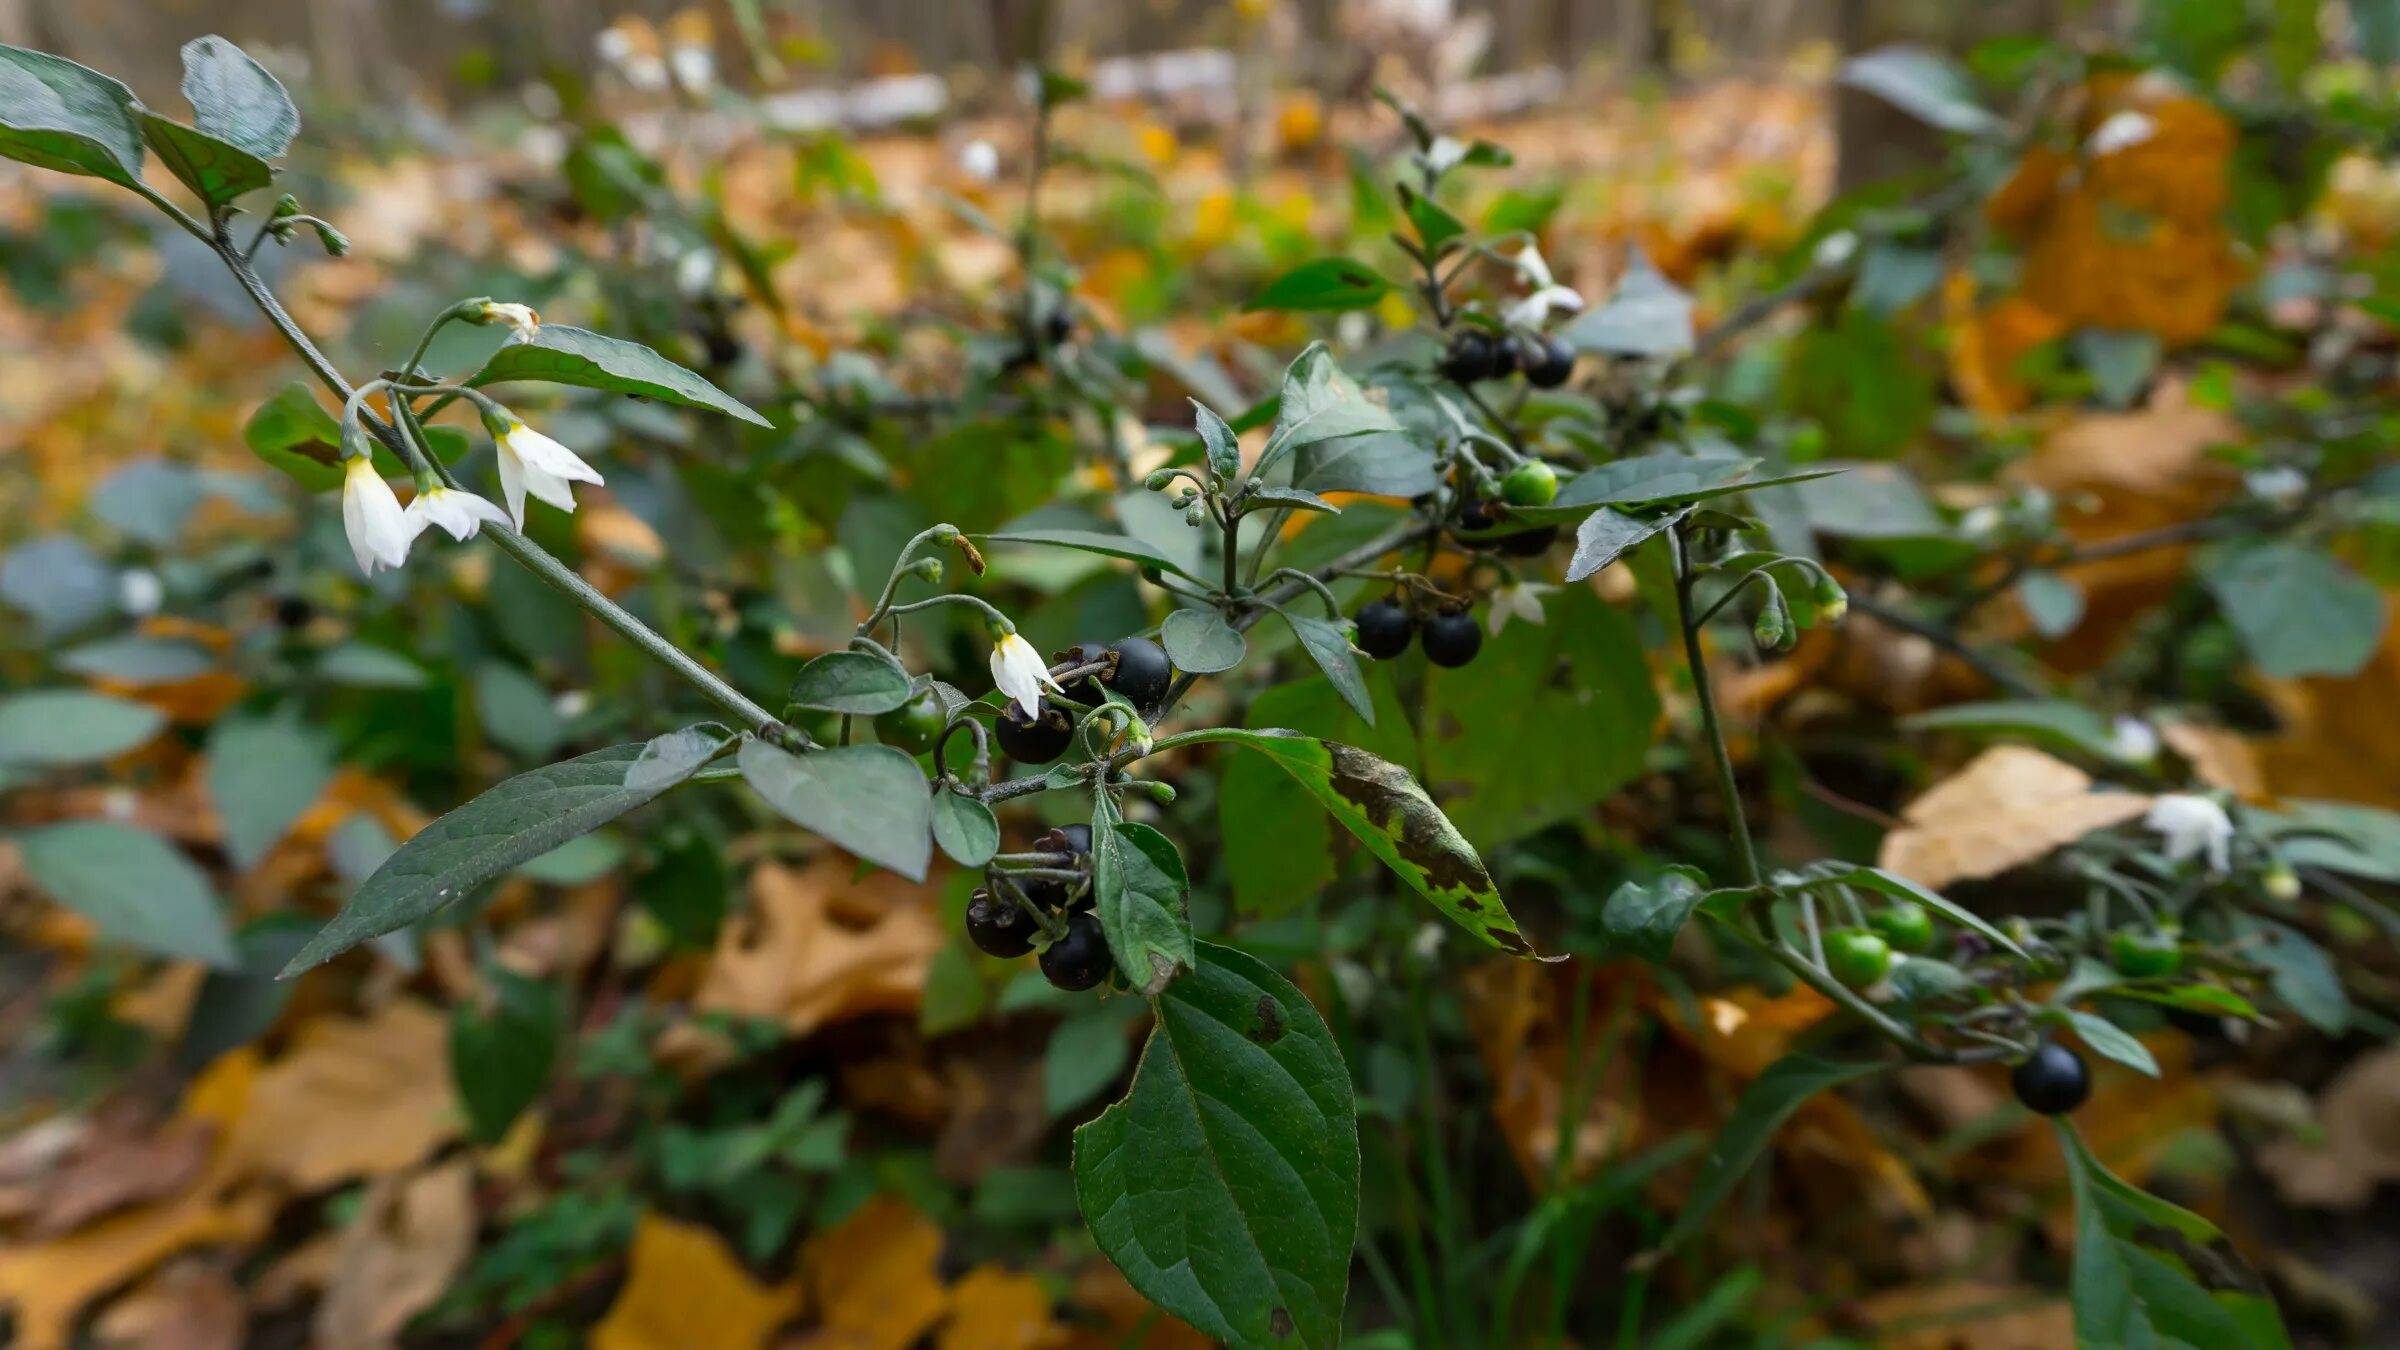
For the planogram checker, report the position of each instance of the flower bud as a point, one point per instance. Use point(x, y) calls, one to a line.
point(928, 568)
point(1161, 793)
point(1832, 601)
point(2280, 882)
point(1772, 629)
point(286, 205)
point(1195, 515)
point(1159, 479)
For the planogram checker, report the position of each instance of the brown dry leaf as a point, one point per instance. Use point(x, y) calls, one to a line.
point(49, 1283)
point(2008, 807)
point(1519, 1015)
point(187, 1306)
point(2360, 1114)
point(2220, 758)
point(354, 1097)
point(996, 1309)
point(873, 1278)
point(684, 1288)
point(817, 946)
point(115, 1168)
point(2327, 748)
point(1744, 1031)
point(411, 1236)
point(1967, 1317)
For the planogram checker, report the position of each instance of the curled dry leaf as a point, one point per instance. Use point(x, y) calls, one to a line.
point(683, 1287)
point(817, 946)
point(412, 1235)
point(1518, 1014)
point(2008, 807)
point(2360, 1115)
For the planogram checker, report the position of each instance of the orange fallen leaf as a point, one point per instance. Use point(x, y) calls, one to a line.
point(2008, 807)
point(684, 1288)
point(817, 946)
point(353, 1097)
point(1967, 1317)
point(873, 1278)
point(996, 1309)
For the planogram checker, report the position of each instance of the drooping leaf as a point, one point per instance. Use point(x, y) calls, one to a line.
point(1329, 647)
point(1643, 917)
point(2111, 1041)
point(519, 819)
point(2148, 1273)
point(851, 682)
point(965, 828)
point(1380, 803)
point(1225, 1184)
point(558, 354)
point(501, 1056)
point(516, 711)
point(1139, 882)
point(1764, 1106)
point(1324, 284)
point(1320, 403)
point(42, 728)
point(215, 172)
point(1607, 535)
point(2298, 609)
point(1922, 83)
point(869, 799)
point(1290, 499)
point(1202, 642)
point(1278, 845)
point(1647, 316)
point(135, 887)
point(262, 773)
point(236, 100)
point(55, 114)
point(1094, 541)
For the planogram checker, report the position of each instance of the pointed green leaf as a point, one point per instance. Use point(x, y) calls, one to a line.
point(2299, 610)
point(43, 728)
point(2150, 1274)
point(1225, 1184)
point(215, 172)
point(235, 100)
point(675, 756)
point(55, 114)
point(1329, 647)
point(851, 682)
point(1765, 1105)
point(501, 1056)
point(869, 799)
point(1647, 316)
point(1644, 917)
point(557, 354)
point(1320, 403)
point(139, 660)
point(1138, 879)
point(135, 887)
point(2111, 1041)
point(1606, 535)
point(2052, 724)
point(1323, 284)
point(522, 818)
point(1224, 451)
point(1093, 541)
point(262, 773)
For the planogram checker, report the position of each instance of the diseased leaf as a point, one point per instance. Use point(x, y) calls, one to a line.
point(1139, 882)
point(1765, 1105)
point(55, 114)
point(522, 818)
point(135, 887)
point(1202, 642)
point(43, 728)
point(2148, 1273)
point(558, 354)
point(236, 100)
point(869, 799)
point(851, 682)
point(1225, 1184)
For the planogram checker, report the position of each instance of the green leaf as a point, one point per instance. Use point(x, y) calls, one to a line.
point(1225, 1184)
point(1329, 646)
point(139, 660)
point(501, 1056)
point(2299, 610)
point(1924, 84)
point(363, 665)
point(965, 828)
point(1644, 480)
point(134, 887)
point(2113, 1042)
point(237, 1005)
point(47, 727)
point(1094, 541)
point(522, 818)
point(1387, 464)
point(293, 434)
point(1224, 450)
point(55, 114)
point(1139, 882)
point(1320, 403)
point(869, 799)
point(2150, 1274)
point(1607, 535)
point(2053, 724)
point(235, 100)
point(1288, 498)
point(1582, 679)
point(1435, 224)
point(1278, 846)
point(1647, 316)
point(1202, 642)
point(851, 682)
point(1325, 284)
point(1644, 917)
point(216, 172)
point(1764, 1106)
point(2052, 602)
point(2363, 841)
point(1900, 887)
point(2120, 363)
point(2302, 974)
point(262, 773)
point(1086, 1053)
point(516, 711)
point(557, 354)
point(675, 756)
point(1377, 801)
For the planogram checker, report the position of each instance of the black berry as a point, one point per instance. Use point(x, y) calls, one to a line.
point(2053, 1081)
point(293, 612)
point(1085, 689)
point(1452, 639)
point(1142, 672)
point(1058, 327)
point(1030, 740)
point(1384, 629)
point(1526, 543)
point(1468, 359)
point(1548, 361)
point(1080, 959)
point(1474, 517)
point(996, 926)
point(1504, 357)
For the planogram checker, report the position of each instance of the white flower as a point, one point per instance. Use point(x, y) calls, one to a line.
point(140, 592)
point(1444, 154)
point(2121, 132)
point(516, 316)
point(2192, 826)
point(1534, 310)
point(1980, 522)
point(1533, 267)
point(1521, 601)
point(572, 703)
point(2277, 485)
point(1835, 249)
point(532, 462)
point(1021, 672)
point(980, 160)
point(695, 67)
point(2135, 741)
point(371, 516)
point(459, 513)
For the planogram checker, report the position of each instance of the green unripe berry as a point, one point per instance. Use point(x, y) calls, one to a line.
point(1905, 925)
point(1531, 483)
point(2146, 955)
point(1857, 957)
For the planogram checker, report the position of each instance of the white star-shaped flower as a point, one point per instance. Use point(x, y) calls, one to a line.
point(1521, 601)
point(372, 518)
point(531, 462)
point(2193, 826)
point(1021, 673)
point(457, 512)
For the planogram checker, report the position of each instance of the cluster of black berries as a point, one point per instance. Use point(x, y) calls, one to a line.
point(1545, 362)
point(999, 924)
point(1385, 628)
point(1136, 668)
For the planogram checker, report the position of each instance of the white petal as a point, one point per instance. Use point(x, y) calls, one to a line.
point(540, 452)
point(461, 514)
point(512, 484)
point(372, 518)
point(2121, 132)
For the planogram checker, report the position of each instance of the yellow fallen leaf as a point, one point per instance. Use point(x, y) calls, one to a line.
point(817, 946)
point(873, 1278)
point(683, 1288)
point(48, 1284)
point(2008, 807)
point(354, 1097)
point(996, 1309)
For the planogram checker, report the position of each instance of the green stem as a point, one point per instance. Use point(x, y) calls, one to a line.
point(1728, 788)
